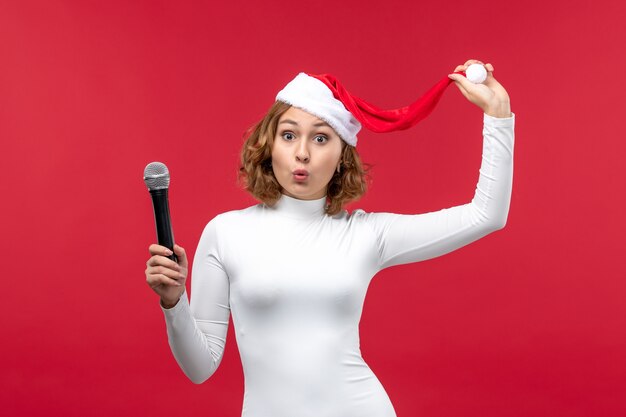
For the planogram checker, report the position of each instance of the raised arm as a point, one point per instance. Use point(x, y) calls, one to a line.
point(411, 238)
point(197, 331)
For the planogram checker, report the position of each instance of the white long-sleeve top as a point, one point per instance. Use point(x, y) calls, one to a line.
point(295, 279)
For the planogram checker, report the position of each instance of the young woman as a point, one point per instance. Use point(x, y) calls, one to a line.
point(293, 271)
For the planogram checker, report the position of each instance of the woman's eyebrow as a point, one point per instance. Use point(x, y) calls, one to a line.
point(292, 122)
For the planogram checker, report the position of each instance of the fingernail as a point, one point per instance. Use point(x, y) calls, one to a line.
point(168, 252)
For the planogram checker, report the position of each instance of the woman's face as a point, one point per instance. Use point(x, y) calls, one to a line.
point(305, 154)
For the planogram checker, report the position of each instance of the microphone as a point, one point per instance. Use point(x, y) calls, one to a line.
point(157, 179)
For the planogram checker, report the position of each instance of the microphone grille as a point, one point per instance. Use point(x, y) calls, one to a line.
point(156, 176)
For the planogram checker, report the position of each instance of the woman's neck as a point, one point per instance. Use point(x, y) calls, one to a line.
point(301, 209)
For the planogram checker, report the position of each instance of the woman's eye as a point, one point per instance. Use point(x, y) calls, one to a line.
point(288, 136)
point(320, 139)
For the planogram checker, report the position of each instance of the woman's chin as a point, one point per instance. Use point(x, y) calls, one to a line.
point(302, 193)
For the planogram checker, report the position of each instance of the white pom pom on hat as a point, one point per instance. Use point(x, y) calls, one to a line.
point(323, 96)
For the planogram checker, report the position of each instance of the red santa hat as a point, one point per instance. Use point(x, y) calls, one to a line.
point(323, 96)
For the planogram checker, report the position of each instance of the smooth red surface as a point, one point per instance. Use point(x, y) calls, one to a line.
point(530, 321)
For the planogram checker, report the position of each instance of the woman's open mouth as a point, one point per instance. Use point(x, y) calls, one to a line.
point(300, 175)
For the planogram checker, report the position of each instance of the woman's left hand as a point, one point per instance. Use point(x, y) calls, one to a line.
point(490, 96)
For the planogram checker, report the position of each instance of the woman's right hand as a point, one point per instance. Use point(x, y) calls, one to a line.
point(490, 95)
point(166, 277)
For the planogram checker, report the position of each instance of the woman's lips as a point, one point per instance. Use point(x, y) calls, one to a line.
point(300, 175)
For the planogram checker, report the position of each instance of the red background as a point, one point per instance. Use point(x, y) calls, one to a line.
point(527, 322)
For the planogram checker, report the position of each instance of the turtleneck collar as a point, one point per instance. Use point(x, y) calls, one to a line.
point(300, 209)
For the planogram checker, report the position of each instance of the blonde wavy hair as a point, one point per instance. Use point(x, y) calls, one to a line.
point(257, 176)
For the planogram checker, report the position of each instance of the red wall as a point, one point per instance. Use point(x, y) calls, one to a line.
point(527, 322)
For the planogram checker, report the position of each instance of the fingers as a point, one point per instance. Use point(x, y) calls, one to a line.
point(155, 249)
point(160, 260)
point(465, 86)
point(463, 67)
point(462, 83)
point(182, 256)
point(472, 61)
point(163, 271)
point(155, 266)
point(467, 64)
point(488, 95)
point(156, 280)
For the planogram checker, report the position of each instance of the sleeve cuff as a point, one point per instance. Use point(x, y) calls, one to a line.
point(499, 121)
point(182, 304)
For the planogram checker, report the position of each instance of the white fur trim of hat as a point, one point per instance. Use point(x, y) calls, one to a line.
point(313, 96)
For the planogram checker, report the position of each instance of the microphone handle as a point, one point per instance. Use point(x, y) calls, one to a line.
point(165, 236)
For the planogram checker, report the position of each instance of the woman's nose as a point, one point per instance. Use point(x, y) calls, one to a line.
point(302, 153)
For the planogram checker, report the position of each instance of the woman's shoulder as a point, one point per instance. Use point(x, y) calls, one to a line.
point(237, 215)
point(229, 222)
